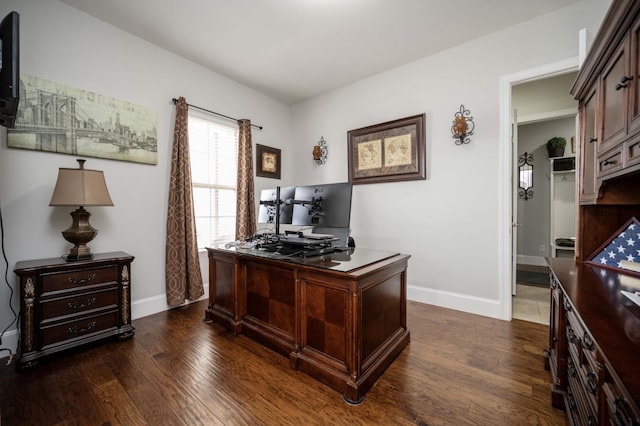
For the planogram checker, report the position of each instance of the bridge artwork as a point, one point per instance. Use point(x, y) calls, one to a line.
point(57, 118)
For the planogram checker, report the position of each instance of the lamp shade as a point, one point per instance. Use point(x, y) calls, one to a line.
point(80, 187)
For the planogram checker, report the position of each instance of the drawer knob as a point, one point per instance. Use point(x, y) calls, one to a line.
point(621, 413)
point(74, 305)
point(607, 162)
point(592, 383)
point(572, 403)
point(76, 330)
point(623, 82)
point(592, 140)
point(588, 341)
point(76, 281)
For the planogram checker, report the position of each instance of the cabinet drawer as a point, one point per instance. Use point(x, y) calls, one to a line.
point(583, 412)
point(73, 280)
point(610, 162)
point(632, 151)
point(619, 411)
point(60, 333)
point(53, 309)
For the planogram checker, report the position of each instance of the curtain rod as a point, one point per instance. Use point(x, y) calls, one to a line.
point(175, 101)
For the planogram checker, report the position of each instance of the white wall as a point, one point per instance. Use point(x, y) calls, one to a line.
point(545, 98)
point(61, 44)
point(449, 222)
point(534, 214)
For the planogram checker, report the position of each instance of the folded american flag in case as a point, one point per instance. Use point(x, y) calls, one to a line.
point(622, 251)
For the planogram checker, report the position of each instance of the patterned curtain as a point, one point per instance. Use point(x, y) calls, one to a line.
point(184, 280)
point(245, 204)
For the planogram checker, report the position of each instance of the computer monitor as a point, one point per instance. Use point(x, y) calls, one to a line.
point(324, 205)
point(268, 205)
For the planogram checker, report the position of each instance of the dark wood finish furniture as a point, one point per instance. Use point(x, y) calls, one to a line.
point(67, 304)
point(594, 345)
point(594, 342)
point(608, 92)
point(341, 318)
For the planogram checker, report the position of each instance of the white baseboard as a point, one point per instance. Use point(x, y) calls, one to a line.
point(9, 341)
point(152, 305)
point(459, 302)
point(531, 260)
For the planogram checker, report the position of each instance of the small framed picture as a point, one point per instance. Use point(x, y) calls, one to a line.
point(268, 162)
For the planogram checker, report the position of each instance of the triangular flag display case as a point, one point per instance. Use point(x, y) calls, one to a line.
point(621, 251)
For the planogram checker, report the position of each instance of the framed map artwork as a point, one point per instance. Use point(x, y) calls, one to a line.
point(388, 152)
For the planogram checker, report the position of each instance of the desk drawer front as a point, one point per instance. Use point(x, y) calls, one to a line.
point(579, 406)
point(609, 163)
point(618, 408)
point(62, 332)
point(78, 304)
point(78, 279)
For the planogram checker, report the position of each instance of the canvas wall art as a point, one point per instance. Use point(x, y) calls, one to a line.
point(57, 118)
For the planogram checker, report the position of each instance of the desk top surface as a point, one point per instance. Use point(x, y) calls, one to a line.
point(340, 261)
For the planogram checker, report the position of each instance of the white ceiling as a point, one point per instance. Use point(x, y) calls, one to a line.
point(296, 49)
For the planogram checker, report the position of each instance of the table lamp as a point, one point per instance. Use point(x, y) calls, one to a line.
point(80, 187)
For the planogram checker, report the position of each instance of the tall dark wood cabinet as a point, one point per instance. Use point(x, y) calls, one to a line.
point(608, 92)
point(64, 305)
point(594, 339)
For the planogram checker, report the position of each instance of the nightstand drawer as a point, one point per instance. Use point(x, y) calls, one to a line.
point(53, 309)
point(62, 332)
point(67, 281)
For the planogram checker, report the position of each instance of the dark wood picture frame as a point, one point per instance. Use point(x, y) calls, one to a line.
point(268, 161)
point(388, 152)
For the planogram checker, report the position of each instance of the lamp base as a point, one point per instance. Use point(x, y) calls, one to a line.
point(79, 234)
point(75, 257)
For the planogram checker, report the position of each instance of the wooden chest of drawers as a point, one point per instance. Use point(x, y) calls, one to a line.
point(593, 346)
point(66, 304)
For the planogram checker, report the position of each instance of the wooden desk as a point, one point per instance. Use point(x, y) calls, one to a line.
point(341, 318)
point(594, 344)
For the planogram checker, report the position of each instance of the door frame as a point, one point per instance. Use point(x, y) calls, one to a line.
point(506, 251)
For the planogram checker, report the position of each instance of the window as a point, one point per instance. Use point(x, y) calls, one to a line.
point(213, 150)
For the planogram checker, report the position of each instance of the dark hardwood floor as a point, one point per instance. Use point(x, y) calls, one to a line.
point(459, 369)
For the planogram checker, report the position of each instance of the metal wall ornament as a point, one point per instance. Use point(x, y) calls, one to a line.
point(320, 152)
point(462, 126)
point(525, 176)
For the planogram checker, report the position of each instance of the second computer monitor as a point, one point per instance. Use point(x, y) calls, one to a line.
point(325, 205)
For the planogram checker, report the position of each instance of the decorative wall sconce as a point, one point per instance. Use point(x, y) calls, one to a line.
point(525, 176)
point(462, 126)
point(320, 152)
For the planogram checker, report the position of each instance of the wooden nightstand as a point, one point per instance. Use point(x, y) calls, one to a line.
point(67, 304)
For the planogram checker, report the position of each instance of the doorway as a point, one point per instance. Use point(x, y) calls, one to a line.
point(532, 92)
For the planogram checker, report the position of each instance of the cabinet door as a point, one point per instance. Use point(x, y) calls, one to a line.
point(613, 112)
point(633, 86)
point(588, 144)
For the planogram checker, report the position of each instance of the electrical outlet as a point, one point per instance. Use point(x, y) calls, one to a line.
point(542, 248)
